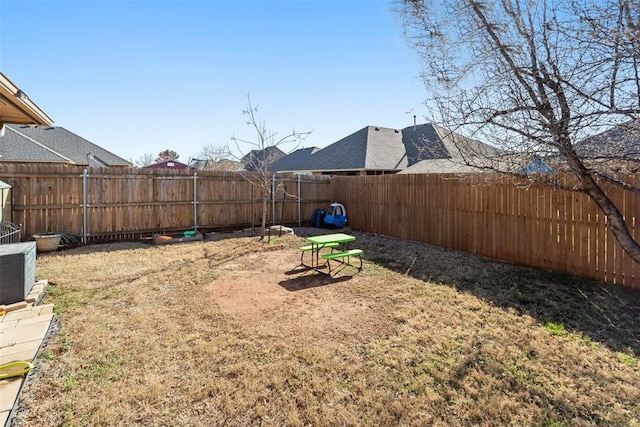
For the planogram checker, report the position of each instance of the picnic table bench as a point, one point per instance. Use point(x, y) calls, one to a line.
point(308, 248)
point(333, 242)
point(345, 254)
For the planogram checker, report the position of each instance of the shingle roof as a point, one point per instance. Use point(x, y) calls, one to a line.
point(15, 146)
point(294, 160)
point(619, 142)
point(379, 149)
point(53, 144)
point(260, 160)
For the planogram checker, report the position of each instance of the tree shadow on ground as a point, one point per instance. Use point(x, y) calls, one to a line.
point(310, 280)
point(606, 313)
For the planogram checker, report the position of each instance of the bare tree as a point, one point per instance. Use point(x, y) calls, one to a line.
point(215, 157)
point(262, 153)
point(145, 160)
point(537, 78)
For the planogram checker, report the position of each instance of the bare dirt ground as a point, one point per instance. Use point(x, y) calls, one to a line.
point(327, 315)
point(234, 332)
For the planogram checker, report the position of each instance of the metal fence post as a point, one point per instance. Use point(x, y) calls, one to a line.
point(195, 201)
point(299, 204)
point(273, 199)
point(85, 176)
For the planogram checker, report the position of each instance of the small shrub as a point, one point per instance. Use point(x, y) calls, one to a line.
point(556, 329)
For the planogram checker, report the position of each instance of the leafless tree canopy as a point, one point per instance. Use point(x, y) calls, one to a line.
point(145, 160)
point(528, 76)
point(215, 157)
point(260, 153)
point(543, 78)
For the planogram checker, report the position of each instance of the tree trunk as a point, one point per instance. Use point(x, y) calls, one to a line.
point(617, 223)
point(265, 210)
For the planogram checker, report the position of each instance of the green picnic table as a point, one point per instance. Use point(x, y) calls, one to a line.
point(333, 241)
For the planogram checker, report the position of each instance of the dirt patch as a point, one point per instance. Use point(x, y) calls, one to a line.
point(297, 302)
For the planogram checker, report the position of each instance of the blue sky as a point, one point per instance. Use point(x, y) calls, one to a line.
point(142, 76)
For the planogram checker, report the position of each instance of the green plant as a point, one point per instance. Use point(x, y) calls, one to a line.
point(47, 355)
point(556, 329)
point(628, 360)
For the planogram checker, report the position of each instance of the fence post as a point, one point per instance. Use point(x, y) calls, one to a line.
point(195, 201)
point(253, 212)
point(84, 205)
point(299, 206)
point(273, 199)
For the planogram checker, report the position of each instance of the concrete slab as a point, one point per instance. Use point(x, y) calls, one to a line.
point(21, 314)
point(8, 392)
point(10, 350)
point(22, 330)
point(20, 334)
point(31, 320)
point(8, 325)
point(19, 355)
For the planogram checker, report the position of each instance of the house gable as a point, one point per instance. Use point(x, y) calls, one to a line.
point(53, 144)
point(257, 160)
point(16, 147)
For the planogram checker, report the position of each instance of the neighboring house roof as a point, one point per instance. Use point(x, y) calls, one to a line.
point(294, 159)
point(256, 160)
point(375, 148)
point(167, 164)
point(619, 142)
point(214, 165)
point(17, 108)
point(53, 144)
point(508, 163)
point(440, 166)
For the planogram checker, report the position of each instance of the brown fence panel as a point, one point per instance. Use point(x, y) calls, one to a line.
point(507, 218)
point(124, 203)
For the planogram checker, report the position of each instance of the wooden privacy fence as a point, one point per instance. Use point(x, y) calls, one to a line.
point(116, 203)
point(499, 217)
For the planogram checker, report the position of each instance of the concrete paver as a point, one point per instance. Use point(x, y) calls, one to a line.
point(22, 331)
point(8, 391)
point(11, 350)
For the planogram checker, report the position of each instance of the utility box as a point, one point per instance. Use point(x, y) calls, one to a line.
point(17, 271)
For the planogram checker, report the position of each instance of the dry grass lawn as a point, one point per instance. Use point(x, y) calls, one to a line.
point(232, 332)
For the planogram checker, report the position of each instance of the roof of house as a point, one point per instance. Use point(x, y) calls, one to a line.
point(440, 166)
point(17, 108)
point(619, 142)
point(259, 160)
point(167, 164)
point(377, 148)
point(53, 144)
point(293, 160)
point(507, 163)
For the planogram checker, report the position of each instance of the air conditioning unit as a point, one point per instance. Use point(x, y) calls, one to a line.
point(17, 271)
